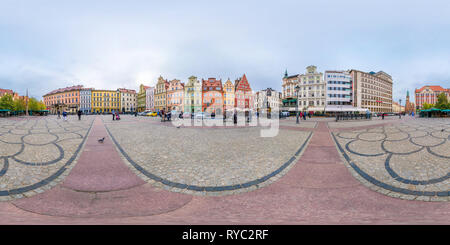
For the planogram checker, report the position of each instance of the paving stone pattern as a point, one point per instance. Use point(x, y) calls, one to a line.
point(207, 162)
point(410, 160)
point(37, 154)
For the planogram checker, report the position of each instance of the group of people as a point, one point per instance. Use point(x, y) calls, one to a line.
point(64, 114)
point(304, 114)
point(165, 115)
point(115, 115)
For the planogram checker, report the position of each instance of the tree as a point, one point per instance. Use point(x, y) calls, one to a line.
point(19, 105)
point(442, 102)
point(6, 102)
point(427, 106)
point(35, 105)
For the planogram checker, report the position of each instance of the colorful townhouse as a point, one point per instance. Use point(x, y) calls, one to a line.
point(86, 100)
point(228, 96)
point(193, 95)
point(212, 96)
point(175, 94)
point(150, 99)
point(243, 95)
point(63, 99)
point(160, 96)
point(105, 101)
point(128, 100)
point(141, 98)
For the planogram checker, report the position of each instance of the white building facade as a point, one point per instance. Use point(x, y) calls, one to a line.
point(311, 96)
point(85, 100)
point(128, 100)
point(267, 98)
point(150, 98)
point(311, 91)
point(338, 88)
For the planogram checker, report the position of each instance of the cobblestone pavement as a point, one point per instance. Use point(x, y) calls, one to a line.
point(410, 160)
point(306, 179)
point(363, 123)
point(207, 162)
point(37, 154)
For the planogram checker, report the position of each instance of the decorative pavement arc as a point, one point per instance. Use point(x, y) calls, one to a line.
point(37, 154)
point(409, 161)
point(317, 189)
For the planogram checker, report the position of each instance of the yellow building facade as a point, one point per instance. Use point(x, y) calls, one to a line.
point(105, 101)
point(160, 96)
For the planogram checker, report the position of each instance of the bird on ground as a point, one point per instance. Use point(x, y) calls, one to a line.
point(442, 130)
point(101, 140)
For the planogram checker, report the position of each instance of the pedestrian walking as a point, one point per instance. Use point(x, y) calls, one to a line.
point(113, 115)
point(382, 116)
point(65, 115)
point(79, 115)
point(235, 118)
point(163, 116)
point(304, 116)
point(59, 114)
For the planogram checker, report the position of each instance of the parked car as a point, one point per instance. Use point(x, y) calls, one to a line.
point(144, 113)
point(151, 114)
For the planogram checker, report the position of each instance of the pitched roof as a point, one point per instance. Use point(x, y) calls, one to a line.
point(242, 84)
point(432, 87)
point(66, 89)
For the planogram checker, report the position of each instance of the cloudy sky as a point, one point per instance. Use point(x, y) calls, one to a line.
point(109, 44)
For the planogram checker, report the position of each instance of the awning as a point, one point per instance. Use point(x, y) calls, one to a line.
point(345, 109)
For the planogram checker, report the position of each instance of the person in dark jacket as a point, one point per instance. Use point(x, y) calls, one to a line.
point(79, 115)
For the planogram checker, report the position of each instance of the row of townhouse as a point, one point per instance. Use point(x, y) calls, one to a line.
point(334, 90)
point(90, 100)
point(208, 95)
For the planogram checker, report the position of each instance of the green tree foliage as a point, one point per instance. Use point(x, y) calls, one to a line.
point(19, 105)
point(6, 102)
point(427, 106)
point(35, 105)
point(442, 102)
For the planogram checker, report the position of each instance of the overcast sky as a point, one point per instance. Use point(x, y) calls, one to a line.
point(108, 44)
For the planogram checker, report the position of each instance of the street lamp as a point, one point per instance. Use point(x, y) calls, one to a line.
point(297, 88)
point(400, 114)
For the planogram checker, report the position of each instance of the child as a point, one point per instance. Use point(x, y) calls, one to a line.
point(117, 116)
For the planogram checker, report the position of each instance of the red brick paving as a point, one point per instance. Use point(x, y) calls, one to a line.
point(309, 193)
point(100, 167)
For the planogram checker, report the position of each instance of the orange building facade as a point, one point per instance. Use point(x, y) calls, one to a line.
point(212, 96)
point(67, 99)
point(175, 95)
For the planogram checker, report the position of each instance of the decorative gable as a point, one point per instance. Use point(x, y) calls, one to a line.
point(242, 84)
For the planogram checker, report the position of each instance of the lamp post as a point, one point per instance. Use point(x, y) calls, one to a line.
point(297, 88)
point(400, 114)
